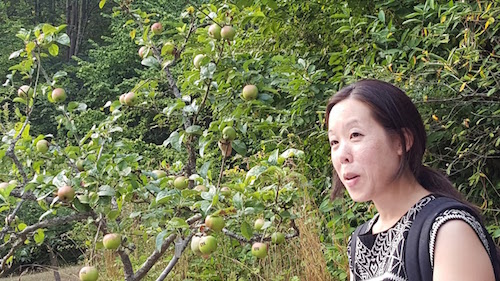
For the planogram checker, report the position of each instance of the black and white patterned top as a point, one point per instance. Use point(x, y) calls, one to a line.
point(381, 256)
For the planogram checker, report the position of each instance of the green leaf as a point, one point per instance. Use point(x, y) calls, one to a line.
point(48, 29)
point(39, 236)
point(175, 140)
point(381, 16)
point(273, 158)
point(194, 130)
point(63, 39)
point(254, 173)
point(178, 223)
point(246, 230)
point(150, 61)
point(15, 54)
point(101, 4)
point(159, 239)
point(238, 201)
point(240, 147)
point(106, 190)
point(53, 49)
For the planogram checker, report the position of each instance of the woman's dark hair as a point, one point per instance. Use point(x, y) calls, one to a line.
point(395, 111)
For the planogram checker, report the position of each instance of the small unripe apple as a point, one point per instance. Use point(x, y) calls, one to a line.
point(229, 133)
point(250, 92)
point(228, 32)
point(160, 173)
point(122, 99)
point(4, 185)
point(215, 223)
point(112, 241)
point(25, 91)
point(59, 95)
point(130, 98)
point(42, 146)
point(145, 52)
point(157, 28)
point(225, 190)
point(79, 165)
point(277, 238)
point(200, 188)
point(66, 194)
point(181, 182)
point(258, 224)
point(208, 244)
point(214, 31)
point(197, 60)
point(259, 250)
point(195, 245)
point(88, 273)
point(168, 48)
point(225, 148)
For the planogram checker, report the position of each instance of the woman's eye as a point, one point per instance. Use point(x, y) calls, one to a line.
point(355, 135)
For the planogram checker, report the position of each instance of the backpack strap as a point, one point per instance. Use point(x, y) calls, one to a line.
point(354, 237)
point(417, 256)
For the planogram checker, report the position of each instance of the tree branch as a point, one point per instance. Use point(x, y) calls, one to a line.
point(18, 239)
point(175, 258)
point(153, 258)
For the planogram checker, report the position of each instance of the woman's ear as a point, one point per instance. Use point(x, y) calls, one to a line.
point(408, 139)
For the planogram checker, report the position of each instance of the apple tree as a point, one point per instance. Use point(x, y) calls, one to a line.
point(214, 89)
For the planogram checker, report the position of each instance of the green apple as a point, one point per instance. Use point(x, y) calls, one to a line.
point(258, 224)
point(66, 194)
point(214, 31)
point(145, 52)
point(259, 250)
point(215, 223)
point(197, 60)
point(200, 188)
point(181, 182)
point(122, 99)
point(79, 165)
point(130, 98)
point(195, 245)
point(228, 32)
point(250, 92)
point(25, 91)
point(168, 48)
point(157, 28)
point(225, 190)
point(229, 133)
point(160, 173)
point(112, 241)
point(277, 238)
point(42, 146)
point(88, 273)
point(208, 244)
point(59, 95)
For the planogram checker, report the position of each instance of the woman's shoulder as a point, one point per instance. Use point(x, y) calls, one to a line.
point(459, 247)
point(459, 223)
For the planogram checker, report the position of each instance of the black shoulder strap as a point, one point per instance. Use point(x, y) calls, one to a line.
point(354, 236)
point(417, 256)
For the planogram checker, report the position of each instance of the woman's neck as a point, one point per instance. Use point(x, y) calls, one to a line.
point(392, 205)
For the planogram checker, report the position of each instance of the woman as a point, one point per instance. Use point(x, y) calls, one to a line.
point(377, 141)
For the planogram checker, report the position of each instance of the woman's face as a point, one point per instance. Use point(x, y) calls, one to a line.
point(365, 157)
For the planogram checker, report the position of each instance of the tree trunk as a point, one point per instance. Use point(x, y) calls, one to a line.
point(54, 263)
